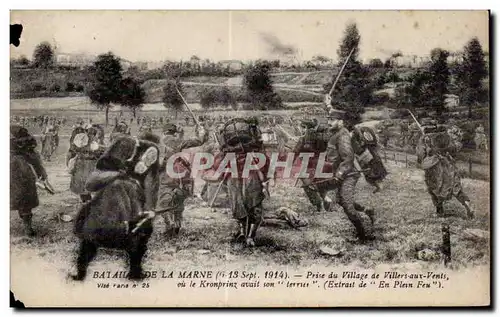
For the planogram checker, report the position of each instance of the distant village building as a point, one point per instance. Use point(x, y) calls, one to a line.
point(412, 61)
point(81, 60)
point(142, 66)
point(455, 57)
point(154, 65)
point(234, 65)
point(125, 64)
point(74, 60)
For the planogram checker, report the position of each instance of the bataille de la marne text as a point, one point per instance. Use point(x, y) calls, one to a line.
point(309, 275)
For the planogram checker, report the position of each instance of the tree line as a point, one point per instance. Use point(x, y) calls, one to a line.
point(108, 86)
point(428, 87)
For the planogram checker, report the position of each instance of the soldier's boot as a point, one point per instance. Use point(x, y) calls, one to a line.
point(86, 254)
point(242, 229)
point(369, 212)
point(135, 263)
point(361, 222)
point(321, 207)
point(440, 210)
point(327, 204)
point(85, 197)
point(252, 232)
point(249, 242)
point(169, 225)
point(177, 227)
point(364, 230)
point(470, 212)
point(28, 227)
point(465, 201)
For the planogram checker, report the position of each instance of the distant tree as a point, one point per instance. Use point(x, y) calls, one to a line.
point(132, 94)
point(133, 72)
point(376, 63)
point(470, 74)
point(388, 63)
point(392, 76)
point(43, 56)
point(208, 98)
point(23, 60)
point(321, 59)
point(226, 97)
point(353, 90)
point(439, 79)
point(171, 98)
point(416, 92)
point(105, 87)
point(259, 88)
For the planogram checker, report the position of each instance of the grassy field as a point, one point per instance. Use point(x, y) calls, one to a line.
point(405, 224)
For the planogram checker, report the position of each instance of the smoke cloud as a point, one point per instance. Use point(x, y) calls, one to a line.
point(275, 46)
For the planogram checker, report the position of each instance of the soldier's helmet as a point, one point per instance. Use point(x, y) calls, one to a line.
point(121, 127)
point(145, 128)
point(309, 123)
point(133, 155)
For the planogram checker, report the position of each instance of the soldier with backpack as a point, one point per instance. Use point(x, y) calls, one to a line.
point(341, 154)
point(240, 137)
point(366, 148)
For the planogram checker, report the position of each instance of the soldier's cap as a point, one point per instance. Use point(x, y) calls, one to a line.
point(309, 123)
point(170, 128)
point(335, 114)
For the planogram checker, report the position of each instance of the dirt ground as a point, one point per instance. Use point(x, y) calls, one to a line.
point(405, 223)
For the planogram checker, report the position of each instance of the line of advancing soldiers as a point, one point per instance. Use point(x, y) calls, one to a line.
point(239, 136)
point(134, 173)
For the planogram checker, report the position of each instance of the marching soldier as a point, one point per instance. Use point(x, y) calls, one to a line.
point(314, 140)
point(86, 146)
point(341, 154)
point(435, 152)
point(25, 169)
point(242, 136)
point(174, 191)
point(209, 190)
point(480, 139)
point(121, 128)
point(50, 141)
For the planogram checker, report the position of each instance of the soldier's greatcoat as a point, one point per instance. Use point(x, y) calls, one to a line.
point(25, 167)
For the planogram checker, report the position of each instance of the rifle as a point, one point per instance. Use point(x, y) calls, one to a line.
point(189, 109)
point(150, 215)
point(416, 121)
point(293, 138)
point(340, 72)
point(45, 185)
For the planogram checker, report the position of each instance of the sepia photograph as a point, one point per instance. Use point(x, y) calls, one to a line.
point(246, 158)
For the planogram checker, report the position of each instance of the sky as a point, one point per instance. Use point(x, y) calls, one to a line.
point(246, 35)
